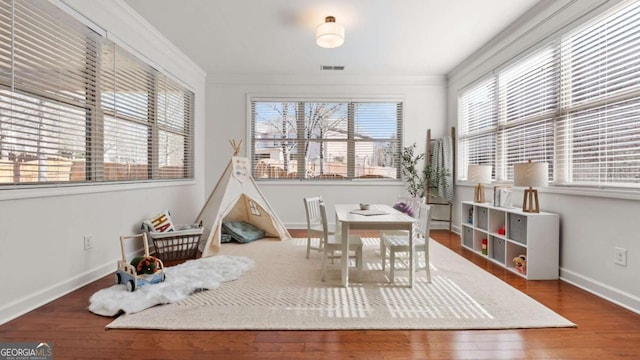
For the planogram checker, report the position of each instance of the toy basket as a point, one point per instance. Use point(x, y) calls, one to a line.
point(179, 244)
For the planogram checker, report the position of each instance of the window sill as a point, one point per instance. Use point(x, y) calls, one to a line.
point(353, 182)
point(40, 191)
point(602, 192)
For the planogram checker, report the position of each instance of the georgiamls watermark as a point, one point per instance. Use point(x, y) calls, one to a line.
point(26, 351)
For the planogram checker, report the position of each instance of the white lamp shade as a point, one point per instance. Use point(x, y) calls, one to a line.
point(329, 34)
point(531, 174)
point(479, 174)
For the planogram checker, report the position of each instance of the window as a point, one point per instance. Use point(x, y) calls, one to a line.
point(77, 108)
point(479, 124)
point(325, 140)
point(599, 129)
point(574, 103)
point(528, 101)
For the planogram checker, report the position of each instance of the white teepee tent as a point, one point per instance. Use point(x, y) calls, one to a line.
point(236, 197)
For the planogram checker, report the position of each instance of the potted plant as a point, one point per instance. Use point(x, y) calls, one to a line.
point(418, 180)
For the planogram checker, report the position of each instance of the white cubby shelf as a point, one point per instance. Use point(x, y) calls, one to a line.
point(535, 235)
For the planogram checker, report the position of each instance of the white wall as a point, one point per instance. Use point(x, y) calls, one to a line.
point(424, 107)
point(41, 238)
point(592, 222)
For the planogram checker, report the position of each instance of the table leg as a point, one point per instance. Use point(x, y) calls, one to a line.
point(411, 257)
point(345, 254)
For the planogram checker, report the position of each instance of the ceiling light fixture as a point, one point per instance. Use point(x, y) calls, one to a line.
point(330, 34)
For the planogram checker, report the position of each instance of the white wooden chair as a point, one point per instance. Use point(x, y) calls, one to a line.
point(333, 245)
point(398, 242)
point(411, 207)
point(314, 223)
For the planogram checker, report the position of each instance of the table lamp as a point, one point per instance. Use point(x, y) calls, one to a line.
point(479, 174)
point(531, 174)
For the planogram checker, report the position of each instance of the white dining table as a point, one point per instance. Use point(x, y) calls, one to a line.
point(378, 217)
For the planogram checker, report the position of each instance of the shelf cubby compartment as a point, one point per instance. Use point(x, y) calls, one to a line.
point(514, 249)
point(497, 249)
point(517, 228)
point(467, 214)
point(482, 217)
point(497, 221)
point(467, 236)
point(478, 236)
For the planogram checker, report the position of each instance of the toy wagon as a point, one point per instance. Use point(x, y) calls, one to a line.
point(142, 270)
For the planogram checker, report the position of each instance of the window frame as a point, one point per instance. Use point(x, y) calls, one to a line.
point(349, 140)
point(561, 159)
point(95, 117)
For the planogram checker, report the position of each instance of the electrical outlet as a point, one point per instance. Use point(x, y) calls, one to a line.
point(88, 242)
point(620, 256)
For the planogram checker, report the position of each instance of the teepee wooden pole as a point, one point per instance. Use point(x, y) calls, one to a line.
point(235, 146)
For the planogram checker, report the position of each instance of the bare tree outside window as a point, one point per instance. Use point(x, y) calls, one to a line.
point(324, 140)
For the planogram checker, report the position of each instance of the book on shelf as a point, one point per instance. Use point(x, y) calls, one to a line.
point(502, 196)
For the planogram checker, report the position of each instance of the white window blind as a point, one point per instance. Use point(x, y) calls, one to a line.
point(326, 140)
point(600, 132)
point(376, 137)
point(574, 103)
point(75, 107)
point(175, 135)
point(528, 101)
point(44, 92)
point(128, 116)
point(479, 123)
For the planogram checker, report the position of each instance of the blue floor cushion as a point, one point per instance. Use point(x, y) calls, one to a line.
point(242, 231)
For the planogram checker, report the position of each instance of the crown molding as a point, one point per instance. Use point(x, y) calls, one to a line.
point(326, 80)
point(540, 23)
point(120, 21)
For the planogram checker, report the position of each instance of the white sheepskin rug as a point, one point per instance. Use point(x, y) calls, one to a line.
point(181, 280)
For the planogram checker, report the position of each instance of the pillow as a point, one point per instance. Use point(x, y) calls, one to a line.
point(408, 206)
point(242, 232)
point(160, 223)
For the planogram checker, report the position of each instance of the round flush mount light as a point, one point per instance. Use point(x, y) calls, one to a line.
point(330, 34)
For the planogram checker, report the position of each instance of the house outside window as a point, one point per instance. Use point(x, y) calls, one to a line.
point(325, 140)
point(76, 107)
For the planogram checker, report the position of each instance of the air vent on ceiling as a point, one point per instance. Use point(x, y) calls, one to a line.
point(332, 67)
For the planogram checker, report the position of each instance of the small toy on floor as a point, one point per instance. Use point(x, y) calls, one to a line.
point(520, 263)
point(143, 270)
point(146, 264)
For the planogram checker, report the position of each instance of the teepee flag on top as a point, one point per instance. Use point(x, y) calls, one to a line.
point(236, 197)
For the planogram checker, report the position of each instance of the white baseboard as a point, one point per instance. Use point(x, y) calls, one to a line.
point(440, 226)
point(616, 296)
point(31, 302)
point(296, 226)
point(621, 298)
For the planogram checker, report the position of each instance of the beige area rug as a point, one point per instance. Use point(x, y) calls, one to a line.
point(284, 292)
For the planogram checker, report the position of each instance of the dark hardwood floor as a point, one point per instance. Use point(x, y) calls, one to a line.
point(605, 331)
